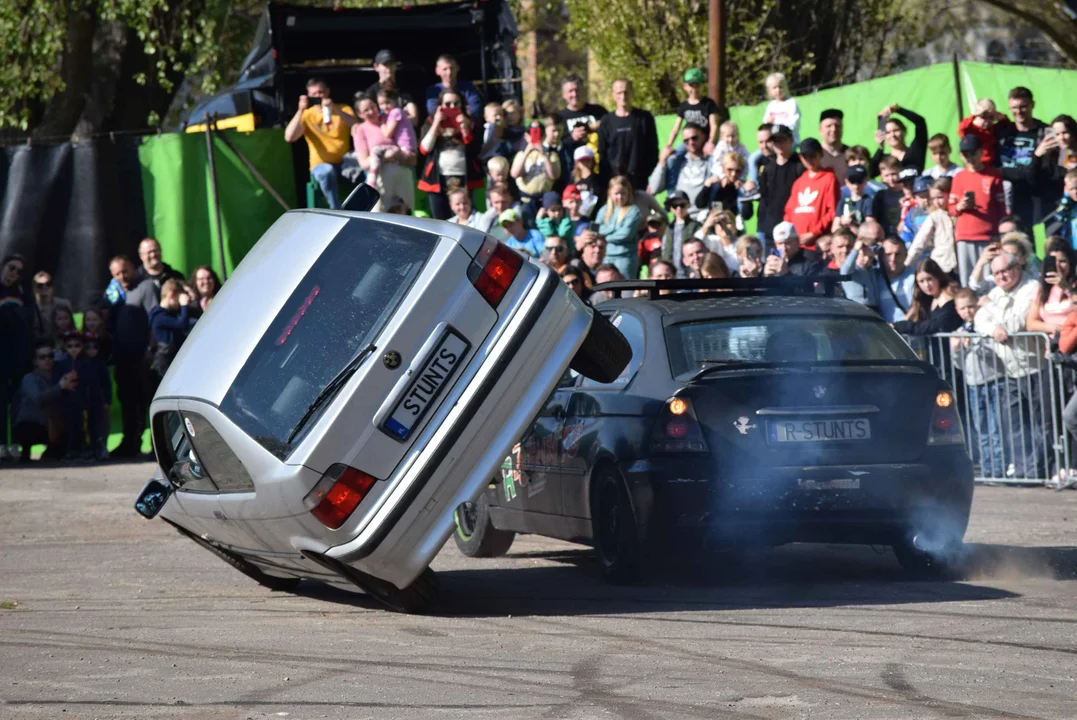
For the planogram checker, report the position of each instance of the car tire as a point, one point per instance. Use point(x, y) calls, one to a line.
point(416, 598)
point(920, 565)
point(604, 354)
point(613, 529)
point(277, 584)
point(475, 535)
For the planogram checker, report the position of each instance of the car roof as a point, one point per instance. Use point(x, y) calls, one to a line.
point(736, 304)
point(255, 293)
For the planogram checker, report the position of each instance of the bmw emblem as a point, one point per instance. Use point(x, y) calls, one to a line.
point(391, 359)
point(819, 391)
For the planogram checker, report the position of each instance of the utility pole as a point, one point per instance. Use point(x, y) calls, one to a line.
point(716, 57)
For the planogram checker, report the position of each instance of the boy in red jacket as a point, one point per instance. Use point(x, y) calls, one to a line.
point(978, 202)
point(813, 201)
point(981, 123)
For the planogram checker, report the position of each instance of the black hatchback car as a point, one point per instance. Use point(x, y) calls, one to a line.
point(753, 413)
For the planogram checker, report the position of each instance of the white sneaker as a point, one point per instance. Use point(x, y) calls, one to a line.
point(1011, 470)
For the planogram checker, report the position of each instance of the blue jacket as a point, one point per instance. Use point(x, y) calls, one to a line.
point(169, 329)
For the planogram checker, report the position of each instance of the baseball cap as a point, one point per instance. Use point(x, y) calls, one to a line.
point(969, 143)
point(550, 199)
point(831, 113)
point(583, 151)
point(655, 216)
point(570, 191)
point(694, 76)
point(810, 146)
point(908, 175)
point(384, 57)
point(509, 216)
point(776, 130)
point(922, 184)
point(676, 197)
point(784, 231)
point(856, 174)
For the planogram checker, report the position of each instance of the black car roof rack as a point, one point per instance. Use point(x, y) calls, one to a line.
point(785, 285)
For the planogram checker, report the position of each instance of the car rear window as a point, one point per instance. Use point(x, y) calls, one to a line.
point(339, 307)
point(799, 338)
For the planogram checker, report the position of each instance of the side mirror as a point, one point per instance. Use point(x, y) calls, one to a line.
point(362, 198)
point(153, 497)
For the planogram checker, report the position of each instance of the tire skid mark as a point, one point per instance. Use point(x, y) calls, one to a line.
point(871, 633)
point(486, 677)
point(832, 686)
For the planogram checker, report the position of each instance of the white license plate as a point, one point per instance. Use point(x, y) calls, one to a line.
point(440, 365)
point(830, 430)
point(837, 484)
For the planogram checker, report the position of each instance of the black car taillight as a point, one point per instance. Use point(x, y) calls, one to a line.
point(945, 422)
point(493, 270)
point(677, 429)
point(337, 494)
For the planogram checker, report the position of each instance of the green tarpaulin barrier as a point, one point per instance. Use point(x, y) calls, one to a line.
point(179, 197)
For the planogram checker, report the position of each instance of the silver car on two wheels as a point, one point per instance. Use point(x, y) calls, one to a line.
point(356, 379)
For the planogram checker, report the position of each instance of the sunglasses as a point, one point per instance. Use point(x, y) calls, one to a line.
point(450, 104)
point(573, 281)
point(679, 206)
point(693, 138)
point(556, 248)
point(43, 285)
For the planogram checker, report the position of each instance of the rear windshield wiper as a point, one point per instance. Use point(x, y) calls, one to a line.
point(712, 366)
point(717, 366)
point(331, 390)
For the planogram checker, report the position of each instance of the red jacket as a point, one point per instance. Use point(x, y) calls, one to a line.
point(813, 203)
point(979, 224)
point(986, 135)
point(1067, 340)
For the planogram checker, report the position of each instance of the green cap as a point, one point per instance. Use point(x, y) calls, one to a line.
point(509, 216)
point(694, 76)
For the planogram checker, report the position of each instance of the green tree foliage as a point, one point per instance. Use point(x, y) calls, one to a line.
point(652, 42)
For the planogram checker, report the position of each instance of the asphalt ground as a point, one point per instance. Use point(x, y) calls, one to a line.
point(106, 615)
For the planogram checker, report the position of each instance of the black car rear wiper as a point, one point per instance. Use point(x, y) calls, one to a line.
point(331, 389)
point(716, 366)
point(713, 366)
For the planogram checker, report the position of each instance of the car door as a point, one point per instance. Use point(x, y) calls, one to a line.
point(533, 482)
point(592, 404)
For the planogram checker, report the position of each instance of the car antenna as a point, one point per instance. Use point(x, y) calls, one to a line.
point(361, 199)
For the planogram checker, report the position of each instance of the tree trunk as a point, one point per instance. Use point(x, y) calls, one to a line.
point(64, 109)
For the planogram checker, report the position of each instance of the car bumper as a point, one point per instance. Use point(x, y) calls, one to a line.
point(678, 498)
point(509, 389)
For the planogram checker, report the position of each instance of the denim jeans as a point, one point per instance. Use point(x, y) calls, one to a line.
point(1030, 436)
point(984, 408)
point(328, 177)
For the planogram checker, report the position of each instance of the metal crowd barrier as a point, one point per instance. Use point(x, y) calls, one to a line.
point(1010, 396)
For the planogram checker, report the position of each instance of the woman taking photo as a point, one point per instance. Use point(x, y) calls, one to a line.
point(451, 154)
point(1054, 301)
point(911, 155)
point(1059, 146)
point(932, 309)
point(618, 221)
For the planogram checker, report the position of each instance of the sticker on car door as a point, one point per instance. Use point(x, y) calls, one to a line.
point(434, 376)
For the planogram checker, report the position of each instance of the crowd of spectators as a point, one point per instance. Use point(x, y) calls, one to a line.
point(932, 245)
point(57, 362)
